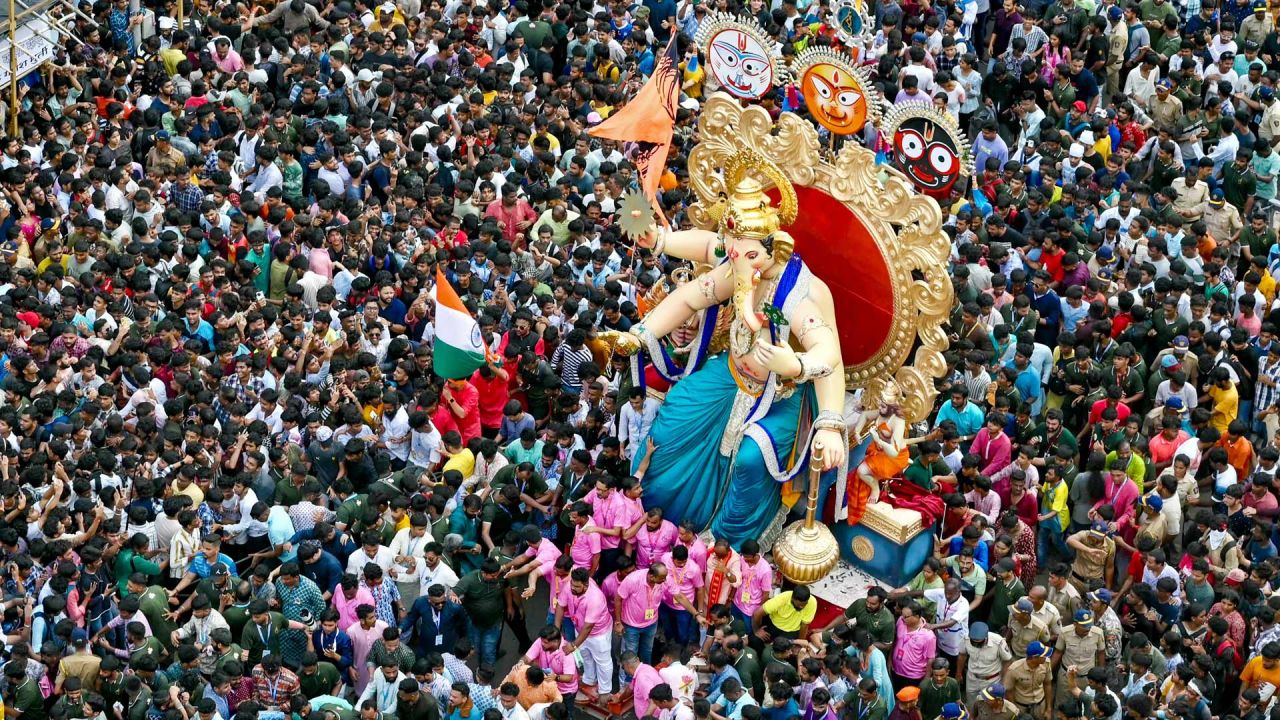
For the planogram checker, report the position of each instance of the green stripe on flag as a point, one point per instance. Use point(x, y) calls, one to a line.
point(453, 363)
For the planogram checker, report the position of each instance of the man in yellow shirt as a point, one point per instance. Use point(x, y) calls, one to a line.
point(786, 614)
point(1226, 400)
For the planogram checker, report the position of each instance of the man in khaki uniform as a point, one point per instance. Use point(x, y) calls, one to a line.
point(1043, 610)
point(1063, 594)
point(1117, 46)
point(1095, 557)
point(981, 661)
point(1269, 127)
point(992, 705)
point(164, 158)
point(1223, 220)
point(1026, 681)
point(1023, 628)
point(1164, 109)
point(1255, 27)
point(1081, 649)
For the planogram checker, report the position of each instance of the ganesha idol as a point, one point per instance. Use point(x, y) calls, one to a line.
point(803, 263)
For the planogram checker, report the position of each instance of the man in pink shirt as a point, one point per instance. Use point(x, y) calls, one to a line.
point(586, 607)
point(609, 586)
point(364, 633)
point(643, 679)
point(538, 559)
point(654, 538)
point(684, 580)
point(586, 546)
point(915, 647)
point(687, 536)
point(552, 653)
point(347, 596)
point(992, 445)
point(635, 609)
point(754, 583)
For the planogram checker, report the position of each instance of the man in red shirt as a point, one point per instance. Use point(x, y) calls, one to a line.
point(462, 400)
point(492, 384)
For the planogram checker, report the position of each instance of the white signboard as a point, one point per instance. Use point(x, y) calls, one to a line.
point(37, 41)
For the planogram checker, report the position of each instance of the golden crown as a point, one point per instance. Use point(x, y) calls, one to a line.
point(745, 210)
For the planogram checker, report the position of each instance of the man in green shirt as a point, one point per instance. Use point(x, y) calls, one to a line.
point(153, 603)
point(132, 559)
point(920, 471)
point(318, 678)
point(24, 700)
point(261, 635)
point(1005, 591)
point(871, 614)
point(938, 689)
point(481, 594)
point(747, 664)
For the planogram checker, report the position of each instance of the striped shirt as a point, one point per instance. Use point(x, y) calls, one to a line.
point(1265, 395)
point(567, 361)
point(1035, 37)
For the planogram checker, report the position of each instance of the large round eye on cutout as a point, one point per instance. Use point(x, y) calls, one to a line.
point(912, 144)
point(942, 159)
point(824, 90)
point(751, 66)
point(848, 98)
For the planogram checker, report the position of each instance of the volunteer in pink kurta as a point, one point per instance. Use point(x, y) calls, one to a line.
point(364, 633)
point(684, 578)
point(552, 653)
point(643, 679)
point(538, 561)
point(347, 596)
point(586, 606)
point(915, 646)
point(635, 609)
point(586, 546)
point(756, 582)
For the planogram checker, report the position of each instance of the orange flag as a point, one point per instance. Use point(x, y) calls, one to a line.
point(649, 121)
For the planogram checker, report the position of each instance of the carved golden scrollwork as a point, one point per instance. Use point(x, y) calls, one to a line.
point(906, 227)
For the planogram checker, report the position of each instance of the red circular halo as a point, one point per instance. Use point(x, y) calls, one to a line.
point(837, 246)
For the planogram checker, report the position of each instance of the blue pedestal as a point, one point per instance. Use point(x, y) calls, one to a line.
point(886, 560)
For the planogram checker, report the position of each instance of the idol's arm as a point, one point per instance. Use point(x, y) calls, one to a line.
point(813, 324)
point(693, 245)
point(710, 288)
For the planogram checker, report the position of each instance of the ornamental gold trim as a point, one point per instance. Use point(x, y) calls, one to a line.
point(905, 225)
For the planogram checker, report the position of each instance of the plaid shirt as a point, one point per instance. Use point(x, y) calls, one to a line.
point(187, 199)
point(246, 392)
point(482, 697)
point(272, 692)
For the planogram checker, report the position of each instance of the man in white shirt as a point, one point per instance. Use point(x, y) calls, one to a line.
point(407, 548)
point(952, 619)
point(635, 420)
point(434, 571)
point(395, 430)
point(371, 551)
point(384, 685)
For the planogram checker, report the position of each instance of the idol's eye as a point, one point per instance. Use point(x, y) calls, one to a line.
point(726, 54)
point(848, 98)
point(824, 90)
point(942, 159)
point(912, 144)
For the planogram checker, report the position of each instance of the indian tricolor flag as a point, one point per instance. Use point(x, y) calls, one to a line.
point(459, 347)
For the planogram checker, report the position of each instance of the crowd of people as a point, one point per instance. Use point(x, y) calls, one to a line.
point(232, 486)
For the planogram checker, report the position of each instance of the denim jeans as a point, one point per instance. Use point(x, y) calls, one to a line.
point(678, 626)
point(745, 618)
point(639, 641)
point(567, 630)
point(485, 641)
point(1050, 536)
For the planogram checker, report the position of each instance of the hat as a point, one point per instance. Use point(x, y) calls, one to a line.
point(1101, 595)
point(996, 691)
point(979, 631)
point(1105, 254)
point(1084, 617)
point(1153, 501)
point(162, 135)
point(1217, 198)
point(1024, 605)
point(168, 23)
point(365, 75)
point(1076, 151)
point(1163, 84)
point(908, 694)
point(919, 37)
point(1174, 402)
point(1181, 343)
point(1259, 5)
point(1101, 529)
point(1087, 138)
point(1237, 576)
point(953, 711)
point(79, 636)
point(1039, 649)
point(30, 318)
point(1169, 361)
point(1266, 92)
point(324, 434)
point(1115, 13)
point(220, 570)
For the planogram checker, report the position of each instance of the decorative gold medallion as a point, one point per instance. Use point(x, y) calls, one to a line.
point(863, 549)
point(635, 216)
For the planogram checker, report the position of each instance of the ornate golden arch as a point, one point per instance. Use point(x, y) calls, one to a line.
point(905, 225)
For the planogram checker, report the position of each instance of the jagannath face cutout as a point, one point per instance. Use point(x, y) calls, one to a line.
point(738, 57)
point(835, 92)
point(929, 149)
